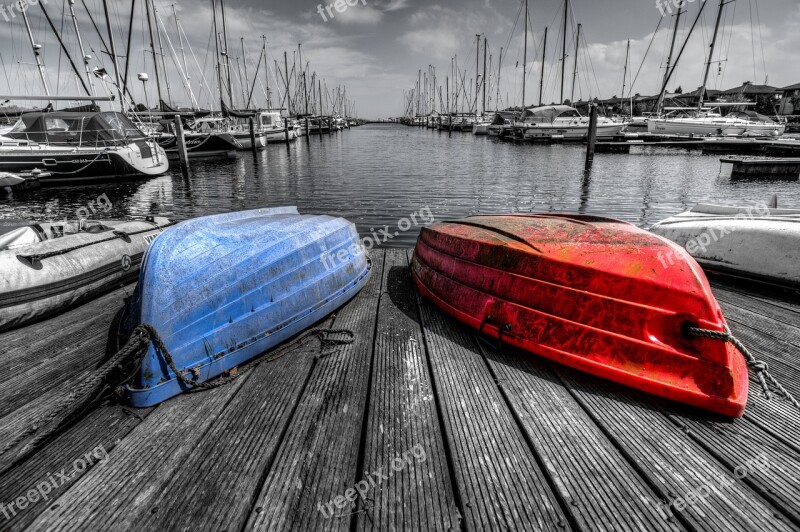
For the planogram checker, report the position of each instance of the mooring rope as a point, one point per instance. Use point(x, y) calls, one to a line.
point(760, 368)
point(132, 354)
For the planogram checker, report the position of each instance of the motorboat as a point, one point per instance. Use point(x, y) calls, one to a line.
point(562, 121)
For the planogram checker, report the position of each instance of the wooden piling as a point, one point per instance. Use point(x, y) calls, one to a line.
point(183, 154)
point(286, 130)
point(306, 128)
point(252, 125)
point(591, 135)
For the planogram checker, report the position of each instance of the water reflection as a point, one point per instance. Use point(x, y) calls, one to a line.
point(376, 175)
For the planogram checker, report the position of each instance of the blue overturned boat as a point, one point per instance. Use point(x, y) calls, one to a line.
point(221, 290)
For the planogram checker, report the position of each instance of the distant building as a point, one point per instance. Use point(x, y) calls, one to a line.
point(766, 97)
point(790, 100)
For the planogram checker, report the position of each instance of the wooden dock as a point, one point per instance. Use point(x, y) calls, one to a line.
point(418, 423)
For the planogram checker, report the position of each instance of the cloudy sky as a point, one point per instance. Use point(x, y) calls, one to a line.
point(377, 47)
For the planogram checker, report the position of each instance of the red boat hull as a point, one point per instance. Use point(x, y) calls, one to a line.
point(592, 293)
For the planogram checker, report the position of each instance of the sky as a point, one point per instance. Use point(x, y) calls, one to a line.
point(376, 48)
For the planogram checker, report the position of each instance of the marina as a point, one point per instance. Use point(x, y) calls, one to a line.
point(395, 265)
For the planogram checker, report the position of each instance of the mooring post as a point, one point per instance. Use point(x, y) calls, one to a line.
point(591, 135)
point(330, 126)
point(319, 129)
point(252, 125)
point(286, 130)
point(306, 128)
point(183, 154)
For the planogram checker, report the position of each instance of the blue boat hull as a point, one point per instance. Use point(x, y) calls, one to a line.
point(221, 290)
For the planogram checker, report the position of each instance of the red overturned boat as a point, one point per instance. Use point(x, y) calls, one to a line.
point(596, 294)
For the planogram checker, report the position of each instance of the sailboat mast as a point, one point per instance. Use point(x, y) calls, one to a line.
point(544, 58)
point(499, 67)
point(575, 70)
point(227, 52)
point(669, 62)
point(485, 46)
point(114, 56)
point(153, 50)
point(84, 57)
point(625, 73)
point(564, 49)
point(216, 51)
point(711, 54)
point(525, 56)
point(477, 70)
point(35, 47)
point(127, 51)
point(161, 52)
point(183, 52)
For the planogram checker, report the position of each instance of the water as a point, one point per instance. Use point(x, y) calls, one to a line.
point(381, 175)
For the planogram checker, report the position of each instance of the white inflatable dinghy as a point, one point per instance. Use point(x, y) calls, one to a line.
point(48, 267)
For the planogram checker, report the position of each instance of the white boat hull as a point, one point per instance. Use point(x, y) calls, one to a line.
point(578, 131)
point(691, 127)
point(756, 242)
point(480, 129)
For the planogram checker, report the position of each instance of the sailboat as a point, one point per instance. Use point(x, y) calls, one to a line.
point(72, 147)
point(561, 121)
point(706, 119)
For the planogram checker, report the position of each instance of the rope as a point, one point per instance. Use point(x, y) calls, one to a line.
point(760, 368)
point(77, 399)
point(91, 389)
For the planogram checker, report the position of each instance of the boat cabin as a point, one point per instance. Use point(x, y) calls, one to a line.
point(76, 129)
point(548, 114)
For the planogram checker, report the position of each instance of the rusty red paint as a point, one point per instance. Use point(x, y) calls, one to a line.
point(590, 293)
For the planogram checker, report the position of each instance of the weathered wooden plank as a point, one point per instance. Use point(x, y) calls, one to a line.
point(97, 434)
point(700, 491)
point(774, 307)
point(499, 483)
point(777, 353)
point(112, 494)
point(41, 357)
point(406, 482)
point(215, 486)
point(764, 463)
point(601, 490)
point(318, 457)
point(757, 317)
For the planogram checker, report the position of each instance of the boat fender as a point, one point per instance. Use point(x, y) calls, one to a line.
point(760, 368)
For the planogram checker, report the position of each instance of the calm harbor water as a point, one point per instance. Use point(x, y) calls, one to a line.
point(377, 175)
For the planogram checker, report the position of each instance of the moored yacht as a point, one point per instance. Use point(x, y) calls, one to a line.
point(562, 120)
point(271, 125)
point(697, 123)
point(78, 146)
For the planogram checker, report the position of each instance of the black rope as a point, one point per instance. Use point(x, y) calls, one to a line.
point(760, 368)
